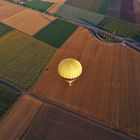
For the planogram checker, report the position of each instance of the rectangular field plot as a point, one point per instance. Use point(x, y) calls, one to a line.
point(29, 21)
point(9, 9)
point(89, 5)
point(122, 28)
point(8, 96)
point(127, 10)
point(114, 8)
point(38, 5)
point(4, 29)
point(79, 15)
point(56, 33)
point(15, 124)
point(103, 6)
point(23, 58)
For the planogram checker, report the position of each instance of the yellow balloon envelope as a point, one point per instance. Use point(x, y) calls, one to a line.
point(70, 68)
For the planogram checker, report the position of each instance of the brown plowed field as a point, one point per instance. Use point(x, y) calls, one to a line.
point(108, 90)
point(137, 10)
point(17, 121)
point(8, 10)
point(29, 21)
point(56, 124)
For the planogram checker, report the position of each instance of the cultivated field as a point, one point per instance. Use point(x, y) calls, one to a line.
point(56, 33)
point(125, 29)
point(4, 29)
point(8, 96)
point(20, 117)
point(137, 10)
point(103, 7)
point(110, 76)
point(23, 58)
point(127, 10)
point(114, 8)
point(8, 10)
point(29, 21)
point(90, 5)
point(57, 124)
point(38, 5)
point(54, 8)
point(80, 15)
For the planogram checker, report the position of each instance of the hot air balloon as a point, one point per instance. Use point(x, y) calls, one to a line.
point(69, 69)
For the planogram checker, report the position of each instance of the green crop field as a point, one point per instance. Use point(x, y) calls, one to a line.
point(38, 5)
point(103, 7)
point(56, 33)
point(78, 15)
point(89, 5)
point(7, 98)
point(4, 29)
point(121, 28)
point(23, 58)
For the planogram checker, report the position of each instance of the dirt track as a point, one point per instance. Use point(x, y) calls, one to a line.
point(9, 9)
point(110, 76)
point(18, 120)
point(29, 21)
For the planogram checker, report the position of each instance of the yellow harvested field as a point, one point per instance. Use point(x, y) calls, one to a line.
point(18, 120)
point(7, 10)
point(29, 21)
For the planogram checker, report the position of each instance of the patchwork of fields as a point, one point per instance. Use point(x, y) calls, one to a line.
point(33, 43)
point(29, 21)
point(23, 58)
point(124, 9)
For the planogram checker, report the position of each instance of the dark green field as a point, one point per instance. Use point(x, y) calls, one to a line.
point(7, 98)
point(89, 5)
point(56, 33)
point(77, 14)
point(4, 29)
point(38, 5)
point(23, 58)
point(121, 28)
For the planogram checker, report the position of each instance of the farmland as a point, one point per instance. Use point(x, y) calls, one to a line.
point(103, 6)
point(19, 118)
point(4, 29)
point(125, 29)
point(8, 10)
point(104, 80)
point(89, 5)
point(29, 21)
point(77, 14)
point(38, 5)
point(23, 58)
point(127, 10)
point(56, 33)
point(8, 96)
